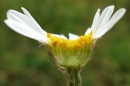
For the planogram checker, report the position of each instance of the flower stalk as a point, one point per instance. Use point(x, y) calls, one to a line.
point(73, 78)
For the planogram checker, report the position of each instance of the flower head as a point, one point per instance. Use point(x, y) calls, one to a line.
point(73, 52)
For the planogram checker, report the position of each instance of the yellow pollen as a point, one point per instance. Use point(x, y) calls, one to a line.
point(70, 44)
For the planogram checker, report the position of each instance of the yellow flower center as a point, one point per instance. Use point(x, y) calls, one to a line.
point(70, 53)
point(70, 44)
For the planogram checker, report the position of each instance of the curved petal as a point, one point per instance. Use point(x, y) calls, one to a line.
point(73, 36)
point(96, 18)
point(104, 18)
point(60, 36)
point(88, 31)
point(106, 14)
point(12, 14)
point(26, 31)
point(63, 36)
point(118, 15)
point(27, 13)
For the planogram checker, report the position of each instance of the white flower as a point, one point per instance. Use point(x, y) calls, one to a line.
point(72, 52)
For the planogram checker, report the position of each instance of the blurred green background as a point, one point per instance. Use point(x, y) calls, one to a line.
point(24, 63)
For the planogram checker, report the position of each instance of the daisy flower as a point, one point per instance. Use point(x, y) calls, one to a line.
point(66, 53)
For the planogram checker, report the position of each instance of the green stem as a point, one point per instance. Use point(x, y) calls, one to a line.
point(73, 78)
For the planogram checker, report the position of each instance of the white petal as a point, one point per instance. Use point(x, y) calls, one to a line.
point(12, 14)
point(27, 13)
point(73, 36)
point(96, 17)
point(63, 36)
point(105, 16)
point(118, 15)
point(60, 36)
point(26, 31)
point(88, 31)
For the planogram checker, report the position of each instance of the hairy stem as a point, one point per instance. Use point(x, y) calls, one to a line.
point(73, 78)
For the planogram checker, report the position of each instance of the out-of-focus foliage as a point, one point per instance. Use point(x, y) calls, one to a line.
point(24, 63)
